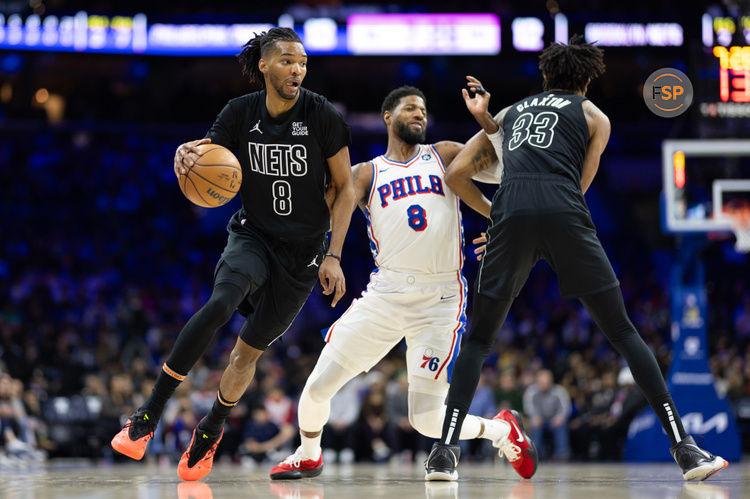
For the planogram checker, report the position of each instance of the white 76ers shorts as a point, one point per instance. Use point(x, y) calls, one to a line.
point(428, 310)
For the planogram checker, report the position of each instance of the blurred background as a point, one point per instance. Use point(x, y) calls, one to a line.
point(102, 260)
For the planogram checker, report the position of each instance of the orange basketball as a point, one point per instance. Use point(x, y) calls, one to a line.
point(214, 179)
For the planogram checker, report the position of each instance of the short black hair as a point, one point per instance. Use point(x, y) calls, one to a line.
point(571, 66)
point(257, 47)
point(394, 96)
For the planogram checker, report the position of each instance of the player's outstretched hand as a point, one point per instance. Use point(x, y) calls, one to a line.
point(480, 249)
point(186, 156)
point(332, 279)
point(479, 100)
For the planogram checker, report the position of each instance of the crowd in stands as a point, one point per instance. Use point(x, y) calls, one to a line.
point(103, 261)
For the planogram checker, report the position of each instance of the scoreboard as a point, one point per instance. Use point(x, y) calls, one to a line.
point(725, 68)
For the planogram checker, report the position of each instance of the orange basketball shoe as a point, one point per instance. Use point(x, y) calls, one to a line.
point(134, 436)
point(518, 448)
point(197, 461)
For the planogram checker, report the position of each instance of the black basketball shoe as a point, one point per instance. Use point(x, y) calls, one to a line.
point(442, 463)
point(696, 463)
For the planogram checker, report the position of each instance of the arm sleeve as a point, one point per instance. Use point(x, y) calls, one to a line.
point(335, 132)
point(225, 130)
point(494, 173)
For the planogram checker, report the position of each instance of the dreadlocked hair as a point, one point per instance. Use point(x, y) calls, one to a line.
point(394, 97)
point(258, 47)
point(572, 66)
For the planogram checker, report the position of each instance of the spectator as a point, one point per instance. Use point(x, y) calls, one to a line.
point(373, 423)
point(507, 394)
point(547, 406)
point(262, 437)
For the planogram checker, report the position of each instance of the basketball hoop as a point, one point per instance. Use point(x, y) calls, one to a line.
point(739, 213)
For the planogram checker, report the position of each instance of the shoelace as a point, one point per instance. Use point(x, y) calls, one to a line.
point(511, 451)
point(200, 445)
point(295, 459)
point(139, 427)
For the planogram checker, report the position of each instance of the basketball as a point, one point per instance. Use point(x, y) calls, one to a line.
point(214, 179)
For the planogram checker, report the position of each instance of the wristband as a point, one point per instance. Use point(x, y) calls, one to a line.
point(334, 255)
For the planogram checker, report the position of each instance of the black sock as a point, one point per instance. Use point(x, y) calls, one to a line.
point(667, 413)
point(164, 387)
point(454, 419)
point(214, 420)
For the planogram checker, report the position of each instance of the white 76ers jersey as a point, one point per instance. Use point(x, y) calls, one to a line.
point(413, 218)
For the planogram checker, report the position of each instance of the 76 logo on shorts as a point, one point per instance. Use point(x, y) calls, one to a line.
point(430, 361)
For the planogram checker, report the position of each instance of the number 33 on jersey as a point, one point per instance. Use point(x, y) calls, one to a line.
point(411, 212)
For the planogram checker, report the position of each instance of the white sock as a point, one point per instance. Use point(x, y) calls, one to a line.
point(494, 429)
point(311, 446)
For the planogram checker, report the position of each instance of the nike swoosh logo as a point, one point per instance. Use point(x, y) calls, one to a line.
point(701, 451)
point(385, 170)
point(520, 435)
point(446, 297)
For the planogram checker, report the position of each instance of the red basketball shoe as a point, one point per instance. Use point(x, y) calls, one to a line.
point(518, 448)
point(295, 467)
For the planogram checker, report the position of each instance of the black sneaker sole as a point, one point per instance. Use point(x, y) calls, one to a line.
point(296, 474)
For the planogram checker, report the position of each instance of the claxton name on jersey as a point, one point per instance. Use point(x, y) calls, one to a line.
point(278, 160)
point(410, 186)
point(550, 100)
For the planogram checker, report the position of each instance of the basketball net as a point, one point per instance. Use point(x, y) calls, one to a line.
point(741, 227)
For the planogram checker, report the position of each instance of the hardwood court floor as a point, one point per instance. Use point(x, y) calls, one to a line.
point(362, 481)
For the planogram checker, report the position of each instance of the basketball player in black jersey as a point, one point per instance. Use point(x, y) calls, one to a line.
point(291, 144)
point(551, 149)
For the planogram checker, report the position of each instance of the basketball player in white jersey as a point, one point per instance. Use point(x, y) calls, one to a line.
point(417, 291)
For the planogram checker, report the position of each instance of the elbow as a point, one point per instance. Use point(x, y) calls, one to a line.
point(451, 178)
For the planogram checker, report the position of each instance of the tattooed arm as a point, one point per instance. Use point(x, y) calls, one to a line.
point(477, 156)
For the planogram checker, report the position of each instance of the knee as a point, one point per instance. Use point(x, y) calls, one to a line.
point(219, 309)
point(318, 391)
point(243, 358)
point(478, 345)
point(429, 424)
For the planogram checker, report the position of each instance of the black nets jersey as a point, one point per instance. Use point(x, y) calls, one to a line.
point(546, 133)
point(546, 137)
point(284, 169)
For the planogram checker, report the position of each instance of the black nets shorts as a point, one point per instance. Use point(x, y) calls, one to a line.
point(567, 241)
point(282, 274)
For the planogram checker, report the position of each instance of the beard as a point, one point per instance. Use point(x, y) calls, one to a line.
point(408, 135)
point(278, 85)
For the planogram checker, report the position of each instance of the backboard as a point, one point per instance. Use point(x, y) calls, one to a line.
point(702, 179)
